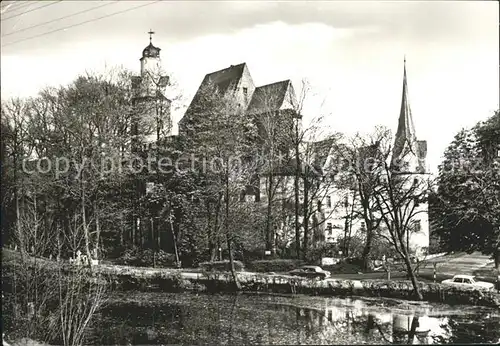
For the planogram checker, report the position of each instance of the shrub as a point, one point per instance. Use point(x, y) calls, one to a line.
point(315, 254)
point(147, 258)
point(170, 282)
point(343, 268)
point(253, 255)
point(276, 265)
point(221, 266)
point(357, 261)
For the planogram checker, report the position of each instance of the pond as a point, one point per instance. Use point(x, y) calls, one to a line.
point(189, 318)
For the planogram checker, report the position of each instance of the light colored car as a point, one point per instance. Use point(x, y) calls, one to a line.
point(468, 281)
point(311, 272)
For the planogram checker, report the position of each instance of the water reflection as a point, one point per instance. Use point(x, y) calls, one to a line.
point(244, 319)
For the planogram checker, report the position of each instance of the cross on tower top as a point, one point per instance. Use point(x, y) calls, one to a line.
point(151, 33)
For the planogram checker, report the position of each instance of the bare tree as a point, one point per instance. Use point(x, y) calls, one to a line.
point(272, 107)
point(400, 199)
point(48, 301)
point(16, 150)
point(81, 294)
point(362, 155)
point(320, 186)
point(299, 161)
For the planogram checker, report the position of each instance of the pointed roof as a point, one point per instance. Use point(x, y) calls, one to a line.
point(270, 97)
point(405, 142)
point(222, 79)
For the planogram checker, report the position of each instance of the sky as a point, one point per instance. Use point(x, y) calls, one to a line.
point(351, 53)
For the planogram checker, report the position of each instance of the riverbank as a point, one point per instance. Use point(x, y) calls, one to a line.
point(179, 280)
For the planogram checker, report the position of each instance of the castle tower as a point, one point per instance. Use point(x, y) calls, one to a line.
point(152, 118)
point(409, 163)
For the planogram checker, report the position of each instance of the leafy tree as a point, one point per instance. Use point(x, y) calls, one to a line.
point(221, 139)
point(83, 131)
point(467, 204)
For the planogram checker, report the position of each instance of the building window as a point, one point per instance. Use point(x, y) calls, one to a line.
point(363, 225)
point(329, 228)
point(245, 93)
point(328, 201)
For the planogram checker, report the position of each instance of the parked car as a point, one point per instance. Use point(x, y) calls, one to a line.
point(468, 281)
point(311, 272)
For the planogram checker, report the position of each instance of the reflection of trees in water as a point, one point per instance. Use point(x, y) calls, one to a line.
point(240, 320)
point(467, 329)
point(323, 327)
point(404, 329)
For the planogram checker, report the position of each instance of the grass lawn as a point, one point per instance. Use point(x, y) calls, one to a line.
point(446, 267)
point(460, 263)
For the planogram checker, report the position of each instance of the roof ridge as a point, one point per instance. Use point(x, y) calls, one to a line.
point(265, 85)
point(226, 68)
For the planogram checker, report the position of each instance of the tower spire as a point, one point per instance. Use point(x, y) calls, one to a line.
point(404, 67)
point(151, 33)
point(405, 143)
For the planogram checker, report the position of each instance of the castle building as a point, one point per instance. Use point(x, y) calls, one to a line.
point(274, 107)
point(235, 85)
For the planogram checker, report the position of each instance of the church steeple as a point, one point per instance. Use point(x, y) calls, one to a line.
point(152, 78)
point(409, 167)
point(405, 153)
point(149, 89)
point(151, 51)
